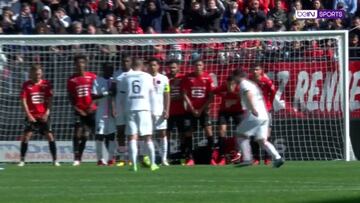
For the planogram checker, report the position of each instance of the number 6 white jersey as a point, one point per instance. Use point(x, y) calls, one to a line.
point(138, 90)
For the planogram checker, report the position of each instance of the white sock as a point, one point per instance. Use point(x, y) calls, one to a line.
point(245, 148)
point(112, 148)
point(164, 148)
point(133, 151)
point(99, 147)
point(151, 149)
point(271, 150)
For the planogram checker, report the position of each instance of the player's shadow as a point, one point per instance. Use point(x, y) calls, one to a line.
point(347, 200)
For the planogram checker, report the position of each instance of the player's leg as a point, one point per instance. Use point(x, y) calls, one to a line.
point(255, 148)
point(261, 137)
point(205, 121)
point(189, 123)
point(145, 124)
point(88, 129)
point(111, 149)
point(223, 120)
point(267, 156)
point(44, 129)
point(121, 141)
point(132, 130)
point(24, 143)
point(76, 140)
point(99, 142)
point(160, 126)
point(245, 148)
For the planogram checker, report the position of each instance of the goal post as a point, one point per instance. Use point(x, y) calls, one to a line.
point(311, 112)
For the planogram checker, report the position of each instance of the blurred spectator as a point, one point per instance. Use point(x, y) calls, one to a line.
point(151, 15)
point(350, 6)
point(92, 30)
point(213, 13)
point(232, 14)
point(354, 40)
point(44, 18)
point(355, 26)
point(25, 21)
point(42, 29)
point(269, 25)
point(232, 26)
point(123, 8)
point(284, 4)
point(89, 17)
point(297, 5)
point(317, 5)
point(77, 28)
point(60, 21)
point(195, 19)
point(133, 27)
point(173, 13)
point(109, 26)
point(254, 17)
point(278, 13)
point(73, 10)
point(105, 7)
point(119, 25)
point(7, 22)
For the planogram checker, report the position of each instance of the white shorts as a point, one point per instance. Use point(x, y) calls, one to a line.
point(253, 126)
point(120, 119)
point(139, 123)
point(160, 123)
point(105, 125)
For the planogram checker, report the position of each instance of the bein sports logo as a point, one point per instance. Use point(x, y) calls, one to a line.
point(322, 14)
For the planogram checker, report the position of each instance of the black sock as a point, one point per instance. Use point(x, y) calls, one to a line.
point(222, 145)
point(76, 147)
point(52, 147)
point(188, 147)
point(210, 143)
point(82, 146)
point(255, 148)
point(23, 149)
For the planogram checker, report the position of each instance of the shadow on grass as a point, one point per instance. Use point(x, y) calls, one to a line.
point(347, 200)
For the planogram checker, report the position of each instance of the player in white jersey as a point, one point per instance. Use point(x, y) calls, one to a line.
point(161, 106)
point(105, 125)
point(119, 105)
point(255, 121)
point(138, 90)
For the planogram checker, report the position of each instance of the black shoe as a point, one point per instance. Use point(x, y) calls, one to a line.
point(278, 163)
point(244, 164)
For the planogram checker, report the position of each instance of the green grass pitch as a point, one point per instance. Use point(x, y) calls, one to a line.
point(314, 182)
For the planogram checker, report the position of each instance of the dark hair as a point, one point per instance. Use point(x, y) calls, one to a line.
point(239, 73)
point(177, 62)
point(197, 61)
point(78, 57)
point(35, 67)
point(152, 59)
point(256, 65)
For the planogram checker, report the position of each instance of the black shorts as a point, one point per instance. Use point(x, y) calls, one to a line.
point(191, 122)
point(37, 127)
point(85, 121)
point(176, 122)
point(224, 118)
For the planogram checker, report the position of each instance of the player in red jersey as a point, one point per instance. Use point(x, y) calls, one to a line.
point(230, 108)
point(79, 87)
point(36, 97)
point(268, 89)
point(177, 111)
point(197, 90)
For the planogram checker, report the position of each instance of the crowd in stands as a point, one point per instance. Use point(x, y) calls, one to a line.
point(172, 16)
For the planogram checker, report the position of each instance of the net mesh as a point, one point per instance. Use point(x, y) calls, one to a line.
point(307, 117)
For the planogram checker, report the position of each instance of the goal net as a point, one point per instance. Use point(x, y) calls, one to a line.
point(307, 69)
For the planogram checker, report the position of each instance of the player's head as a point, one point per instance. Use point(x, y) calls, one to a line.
point(256, 70)
point(239, 75)
point(231, 83)
point(126, 62)
point(154, 65)
point(80, 63)
point(137, 64)
point(108, 69)
point(198, 67)
point(36, 72)
point(173, 67)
